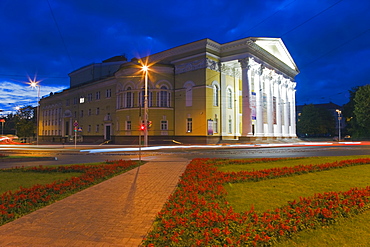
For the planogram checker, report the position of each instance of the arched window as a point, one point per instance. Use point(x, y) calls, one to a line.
point(129, 98)
point(163, 99)
point(215, 95)
point(142, 98)
point(229, 94)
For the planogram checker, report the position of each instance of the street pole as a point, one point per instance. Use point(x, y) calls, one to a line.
point(145, 68)
point(37, 115)
point(34, 84)
point(339, 120)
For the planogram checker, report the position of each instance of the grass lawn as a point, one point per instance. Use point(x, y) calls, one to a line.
point(273, 193)
point(15, 179)
point(12, 180)
point(23, 190)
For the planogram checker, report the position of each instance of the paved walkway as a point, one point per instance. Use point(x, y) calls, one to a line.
point(117, 212)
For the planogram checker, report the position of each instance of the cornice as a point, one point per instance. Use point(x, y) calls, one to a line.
point(248, 46)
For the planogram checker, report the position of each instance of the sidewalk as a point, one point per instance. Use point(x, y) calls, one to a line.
point(117, 212)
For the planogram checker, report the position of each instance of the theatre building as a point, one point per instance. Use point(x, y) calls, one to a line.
point(201, 92)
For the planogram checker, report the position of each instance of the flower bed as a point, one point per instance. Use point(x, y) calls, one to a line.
point(25, 200)
point(197, 213)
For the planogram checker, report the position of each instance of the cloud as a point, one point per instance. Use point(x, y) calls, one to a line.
point(17, 95)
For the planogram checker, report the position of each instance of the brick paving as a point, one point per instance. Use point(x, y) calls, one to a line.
point(117, 212)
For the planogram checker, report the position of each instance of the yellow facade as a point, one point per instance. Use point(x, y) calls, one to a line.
point(200, 92)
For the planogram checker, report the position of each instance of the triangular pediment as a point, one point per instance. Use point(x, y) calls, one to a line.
point(276, 47)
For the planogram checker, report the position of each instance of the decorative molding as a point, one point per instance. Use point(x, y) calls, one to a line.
point(227, 70)
point(213, 65)
point(198, 64)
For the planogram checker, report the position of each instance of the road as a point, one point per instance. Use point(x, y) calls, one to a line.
point(89, 154)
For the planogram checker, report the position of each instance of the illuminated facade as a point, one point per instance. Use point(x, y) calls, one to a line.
point(201, 92)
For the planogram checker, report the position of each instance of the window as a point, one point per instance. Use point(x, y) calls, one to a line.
point(164, 125)
point(142, 98)
point(230, 125)
point(215, 125)
point(97, 95)
point(163, 97)
point(97, 111)
point(97, 128)
point(89, 97)
point(128, 125)
point(108, 93)
point(129, 98)
point(189, 125)
point(215, 95)
point(89, 128)
point(82, 113)
point(75, 100)
point(89, 112)
point(67, 102)
point(229, 99)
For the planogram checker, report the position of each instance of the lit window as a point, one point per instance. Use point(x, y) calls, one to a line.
point(189, 125)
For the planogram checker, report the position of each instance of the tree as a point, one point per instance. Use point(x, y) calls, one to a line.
point(25, 122)
point(9, 125)
point(362, 106)
point(356, 112)
point(315, 121)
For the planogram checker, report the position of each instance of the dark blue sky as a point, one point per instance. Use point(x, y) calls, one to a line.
point(328, 39)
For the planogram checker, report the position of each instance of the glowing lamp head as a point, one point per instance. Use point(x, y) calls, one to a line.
point(142, 127)
point(145, 68)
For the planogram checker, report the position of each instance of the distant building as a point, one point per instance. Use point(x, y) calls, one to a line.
point(201, 92)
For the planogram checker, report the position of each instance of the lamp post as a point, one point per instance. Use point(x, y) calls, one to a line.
point(34, 84)
point(339, 120)
point(145, 69)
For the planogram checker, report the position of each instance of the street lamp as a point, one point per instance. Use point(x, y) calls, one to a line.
point(339, 120)
point(35, 84)
point(145, 69)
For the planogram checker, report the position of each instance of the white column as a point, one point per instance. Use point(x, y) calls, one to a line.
point(237, 95)
point(286, 110)
point(259, 102)
point(292, 110)
point(246, 95)
point(269, 95)
point(223, 106)
point(278, 107)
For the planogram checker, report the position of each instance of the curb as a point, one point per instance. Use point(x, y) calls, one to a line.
point(27, 159)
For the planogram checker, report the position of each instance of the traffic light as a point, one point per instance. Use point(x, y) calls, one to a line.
point(142, 127)
point(150, 123)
